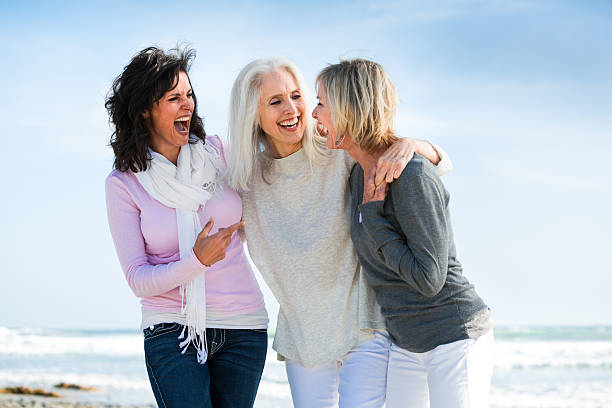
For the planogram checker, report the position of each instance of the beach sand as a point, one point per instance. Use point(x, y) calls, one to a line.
point(22, 401)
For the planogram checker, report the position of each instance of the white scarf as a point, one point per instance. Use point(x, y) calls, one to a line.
point(186, 187)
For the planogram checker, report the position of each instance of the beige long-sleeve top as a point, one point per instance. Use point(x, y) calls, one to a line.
point(297, 232)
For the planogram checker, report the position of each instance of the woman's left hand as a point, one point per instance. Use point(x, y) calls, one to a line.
point(372, 192)
point(391, 164)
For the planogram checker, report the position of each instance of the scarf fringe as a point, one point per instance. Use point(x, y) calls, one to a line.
point(195, 317)
point(198, 340)
point(186, 187)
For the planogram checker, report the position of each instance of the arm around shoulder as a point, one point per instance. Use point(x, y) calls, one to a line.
point(445, 165)
point(436, 155)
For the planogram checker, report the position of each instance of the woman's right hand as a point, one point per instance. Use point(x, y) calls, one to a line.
point(211, 248)
point(372, 192)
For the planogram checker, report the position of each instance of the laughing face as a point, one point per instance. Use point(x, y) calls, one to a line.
point(325, 126)
point(170, 118)
point(281, 112)
point(322, 114)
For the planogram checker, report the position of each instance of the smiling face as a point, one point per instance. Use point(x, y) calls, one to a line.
point(322, 113)
point(281, 112)
point(170, 118)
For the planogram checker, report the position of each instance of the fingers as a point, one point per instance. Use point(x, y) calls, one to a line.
point(222, 231)
point(370, 185)
point(229, 231)
point(210, 249)
point(382, 168)
point(380, 192)
point(208, 227)
point(371, 191)
point(391, 164)
point(389, 177)
point(395, 171)
point(235, 227)
point(387, 171)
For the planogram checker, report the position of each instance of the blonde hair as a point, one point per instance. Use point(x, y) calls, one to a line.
point(247, 141)
point(362, 100)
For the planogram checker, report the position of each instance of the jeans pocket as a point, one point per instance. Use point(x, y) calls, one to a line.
point(161, 329)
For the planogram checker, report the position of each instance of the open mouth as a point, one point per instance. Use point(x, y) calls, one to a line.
point(182, 124)
point(322, 130)
point(290, 124)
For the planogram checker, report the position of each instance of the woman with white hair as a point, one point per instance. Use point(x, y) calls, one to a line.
point(442, 351)
point(296, 202)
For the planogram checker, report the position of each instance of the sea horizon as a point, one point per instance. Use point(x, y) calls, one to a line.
point(535, 365)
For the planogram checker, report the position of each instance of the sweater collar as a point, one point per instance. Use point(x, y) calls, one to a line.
point(291, 164)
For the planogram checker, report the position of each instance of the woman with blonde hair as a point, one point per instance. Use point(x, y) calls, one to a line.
point(440, 328)
point(296, 200)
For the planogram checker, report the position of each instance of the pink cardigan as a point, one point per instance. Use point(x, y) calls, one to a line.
point(145, 235)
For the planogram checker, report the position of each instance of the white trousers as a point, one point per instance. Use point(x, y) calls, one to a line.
point(357, 380)
point(454, 375)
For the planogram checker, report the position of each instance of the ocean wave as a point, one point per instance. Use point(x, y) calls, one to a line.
point(553, 354)
point(553, 333)
point(32, 342)
point(509, 354)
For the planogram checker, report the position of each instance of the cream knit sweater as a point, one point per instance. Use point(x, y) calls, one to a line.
point(297, 232)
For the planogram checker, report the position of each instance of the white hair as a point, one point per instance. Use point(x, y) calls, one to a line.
point(247, 140)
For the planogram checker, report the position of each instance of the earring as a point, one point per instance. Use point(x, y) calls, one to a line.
point(338, 142)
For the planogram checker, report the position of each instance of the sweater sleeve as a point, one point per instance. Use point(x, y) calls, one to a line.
point(445, 165)
point(418, 252)
point(144, 278)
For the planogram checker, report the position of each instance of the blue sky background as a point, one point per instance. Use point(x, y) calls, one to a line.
point(519, 93)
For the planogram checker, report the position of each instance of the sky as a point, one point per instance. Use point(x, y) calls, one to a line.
point(518, 93)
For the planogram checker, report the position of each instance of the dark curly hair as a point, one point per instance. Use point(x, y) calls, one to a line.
point(149, 75)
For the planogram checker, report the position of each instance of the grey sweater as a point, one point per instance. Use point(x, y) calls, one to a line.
point(405, 245)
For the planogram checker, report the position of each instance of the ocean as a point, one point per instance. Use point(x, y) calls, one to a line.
point(534, 366)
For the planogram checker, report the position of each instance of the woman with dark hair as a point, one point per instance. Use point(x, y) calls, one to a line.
point(442, 351)
point(203, 315)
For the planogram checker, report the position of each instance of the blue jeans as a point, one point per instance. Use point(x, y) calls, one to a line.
point(230, 377)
